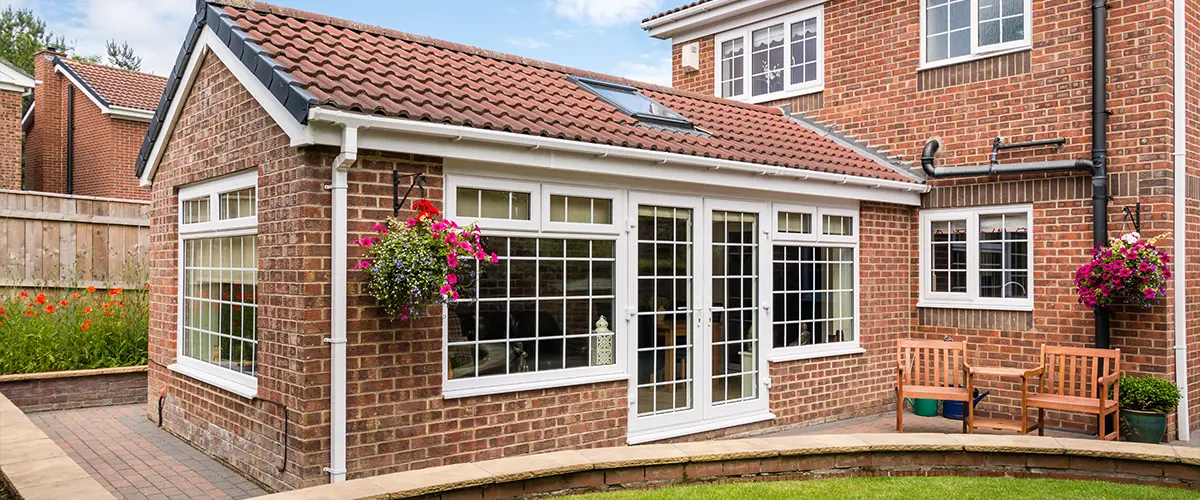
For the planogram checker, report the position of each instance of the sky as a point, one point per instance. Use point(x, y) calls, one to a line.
point(595, 35)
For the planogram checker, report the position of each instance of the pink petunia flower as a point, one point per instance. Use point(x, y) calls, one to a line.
point(451, 278)
point(363, 265)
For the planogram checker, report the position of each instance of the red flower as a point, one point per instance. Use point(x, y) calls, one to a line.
point(114, 291)
point(24, 294)
point(50, 309)
point(426, 209)
point(91, 289)
point(84, 326)
point(41, 298)
point(63, 302)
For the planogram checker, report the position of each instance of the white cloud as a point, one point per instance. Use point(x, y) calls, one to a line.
point(154, 29)
point(527, 42)
point(658, 74)
point(605, 12)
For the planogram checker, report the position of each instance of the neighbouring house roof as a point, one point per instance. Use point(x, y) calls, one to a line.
point(676, 9)
point(310, 60)
point(115, 87)
point(14, 78)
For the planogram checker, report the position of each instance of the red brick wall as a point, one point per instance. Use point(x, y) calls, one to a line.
point(10, 139)
point(293, 272)
point(76, 392)
point(875, 92)
point(105, 148)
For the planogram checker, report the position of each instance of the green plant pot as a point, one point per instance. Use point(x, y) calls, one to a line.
point(1143, 426)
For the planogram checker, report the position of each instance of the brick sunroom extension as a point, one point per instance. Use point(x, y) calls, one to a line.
point(674, 266)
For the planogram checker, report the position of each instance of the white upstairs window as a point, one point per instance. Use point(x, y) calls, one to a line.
point(960, 30)
point(772, 59)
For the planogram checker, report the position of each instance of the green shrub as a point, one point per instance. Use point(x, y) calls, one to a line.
point(1151, 394)
point(72, 329)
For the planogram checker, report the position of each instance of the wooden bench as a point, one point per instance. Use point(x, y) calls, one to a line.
point(933, 369)
point(1076, 379)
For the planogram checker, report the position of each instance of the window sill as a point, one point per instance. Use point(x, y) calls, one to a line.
point(973, 57)
point(932, 304)
point(449, 391)
point(779, 95)
point(660, 434)
point(243, 390)
point(799, 353)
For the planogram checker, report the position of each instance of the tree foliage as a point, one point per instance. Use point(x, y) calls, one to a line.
point(23, 34)
point(122, 56)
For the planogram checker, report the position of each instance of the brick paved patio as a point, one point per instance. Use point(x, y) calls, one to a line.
point(885, 423)
point(134, 459)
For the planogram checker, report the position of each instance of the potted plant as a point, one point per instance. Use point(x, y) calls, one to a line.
point(1128, 270)
point(1145, 403)
point(421, 262)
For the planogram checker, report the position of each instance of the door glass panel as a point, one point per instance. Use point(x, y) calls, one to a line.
point(734, 307)
point(664, 291)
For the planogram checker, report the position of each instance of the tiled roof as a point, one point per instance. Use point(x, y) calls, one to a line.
point(311, 60)
point(120, 87)
point(676, 9)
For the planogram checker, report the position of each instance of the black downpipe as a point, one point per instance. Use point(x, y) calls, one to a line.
point(1097, 165)
point(70, 139)
point(1100, 148)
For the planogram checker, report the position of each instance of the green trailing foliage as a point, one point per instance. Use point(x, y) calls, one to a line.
point(1151, 394)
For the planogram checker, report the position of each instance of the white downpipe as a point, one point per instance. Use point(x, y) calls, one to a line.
point(337, 334)
point(1180, 236)
point(456, 133)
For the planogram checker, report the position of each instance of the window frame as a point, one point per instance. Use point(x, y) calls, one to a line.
point(539, 227)
point(817, 239)
point(977, 51)
point(237, 383)
point(816, 12)
point(971, 298)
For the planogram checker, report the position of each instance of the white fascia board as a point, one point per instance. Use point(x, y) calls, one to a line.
point(134, 114)
point(83, 87)
point(451, 141)
point(28, 115)
point(13, 87)
point(209, 43)
point(719, 16)
point(11, 78)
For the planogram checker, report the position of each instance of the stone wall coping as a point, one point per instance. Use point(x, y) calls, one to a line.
point(432, 481)
point(16, 377)
point(35, 466)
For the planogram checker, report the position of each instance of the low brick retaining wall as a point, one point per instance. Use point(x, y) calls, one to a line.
point(33, 392)
point(34, 467)
point(780, 458)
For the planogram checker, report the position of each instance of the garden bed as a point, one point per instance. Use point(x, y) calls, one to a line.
point(34, 392)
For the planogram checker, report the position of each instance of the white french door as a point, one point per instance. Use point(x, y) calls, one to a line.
point(697, 315)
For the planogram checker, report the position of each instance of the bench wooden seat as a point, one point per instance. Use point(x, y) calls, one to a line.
point(1076, 379)
point(936, 370)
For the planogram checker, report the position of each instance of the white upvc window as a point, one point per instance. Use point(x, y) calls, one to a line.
point(773, 59)
point(977, 258)
point(954, 31)
point(545, 315)
point(218, 276)
point(814, 282)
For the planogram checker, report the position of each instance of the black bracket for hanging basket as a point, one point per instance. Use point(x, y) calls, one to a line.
point(1133, 215)
point(418, 181)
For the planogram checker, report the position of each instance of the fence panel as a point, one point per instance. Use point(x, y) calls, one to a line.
point(50, 240)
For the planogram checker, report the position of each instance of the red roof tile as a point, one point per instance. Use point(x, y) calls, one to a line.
point(356, 67)
point(121, 87)
point(676, 9)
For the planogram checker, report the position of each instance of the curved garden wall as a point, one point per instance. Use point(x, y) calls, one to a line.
point(781, 458)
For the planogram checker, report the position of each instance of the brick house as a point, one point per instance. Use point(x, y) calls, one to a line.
point(660, 219)
point(14, 84)
point(86, 126)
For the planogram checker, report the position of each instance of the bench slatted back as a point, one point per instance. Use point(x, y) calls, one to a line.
point(931, 363)
point(1076, 371)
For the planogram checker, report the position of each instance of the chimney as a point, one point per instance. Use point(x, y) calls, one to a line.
point(45, 142)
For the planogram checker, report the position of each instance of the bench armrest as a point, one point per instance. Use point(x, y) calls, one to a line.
point(1036, 372)
point(1108, 379)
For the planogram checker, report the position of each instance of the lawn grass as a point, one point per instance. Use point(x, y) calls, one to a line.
point(905, 488)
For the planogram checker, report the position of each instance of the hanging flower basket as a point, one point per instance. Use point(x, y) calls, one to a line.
point(1128, 270)
point(414, 264)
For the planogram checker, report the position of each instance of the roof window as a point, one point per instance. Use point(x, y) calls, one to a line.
point(633, 103)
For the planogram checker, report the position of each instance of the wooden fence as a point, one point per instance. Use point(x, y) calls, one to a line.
point(54, 240)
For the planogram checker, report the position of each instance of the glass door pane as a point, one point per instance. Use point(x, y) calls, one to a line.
point(735, 346)
point(665, 378)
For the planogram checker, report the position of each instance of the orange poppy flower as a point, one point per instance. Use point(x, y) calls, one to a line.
point(87, 309)
point(41, 298)
point(74, 295)
point(84, 326)
point(1, 310)
point(50, 309)
point(29, 312)
point(24, 294)
point(91, 289)
point(63, 302)
point(114, 291)
point(108, 313)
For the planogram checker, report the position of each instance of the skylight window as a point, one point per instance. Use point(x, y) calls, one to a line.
point(633, 103)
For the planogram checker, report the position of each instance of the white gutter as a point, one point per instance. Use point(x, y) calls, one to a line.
point(337, 326)
point(1183, 413)
point(688, 12)
point(457, 133)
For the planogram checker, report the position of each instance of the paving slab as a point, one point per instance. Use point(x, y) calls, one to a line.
point(133, 459)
